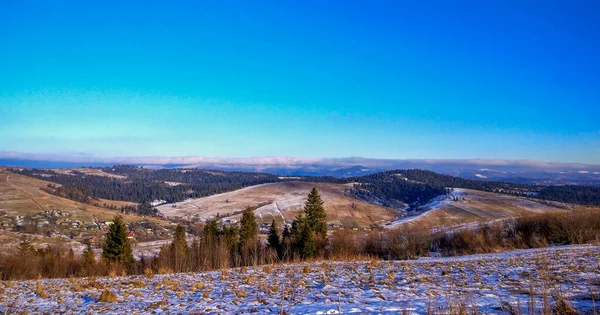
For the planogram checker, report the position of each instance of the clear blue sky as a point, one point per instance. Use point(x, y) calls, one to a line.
point(398, 79)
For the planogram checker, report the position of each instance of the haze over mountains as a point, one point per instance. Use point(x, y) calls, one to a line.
point(518, 171)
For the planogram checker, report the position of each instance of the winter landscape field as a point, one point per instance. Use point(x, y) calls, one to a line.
point(558, 278)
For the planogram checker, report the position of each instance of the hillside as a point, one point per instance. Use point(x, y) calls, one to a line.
point(283, 201)
point(476, 206)
point(26, 208)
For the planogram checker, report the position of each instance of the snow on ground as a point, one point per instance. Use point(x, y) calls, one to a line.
point(484, 282)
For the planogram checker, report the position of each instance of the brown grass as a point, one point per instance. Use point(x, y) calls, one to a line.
point(22, 195)
point(480, 206)
point(290, 197)
point(107, 297)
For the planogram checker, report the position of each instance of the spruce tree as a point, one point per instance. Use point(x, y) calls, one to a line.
point(273, 240)
point(308, 246)
point(309, 230)
point(210, 232)
point(248, 226)
point(315, 214)
point(179, 249)
point(116, 246)
point(298, 234)
point(88, 256)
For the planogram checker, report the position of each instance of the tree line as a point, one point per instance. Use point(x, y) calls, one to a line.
point(409, 186)
point(216, 247)
point(239, 246)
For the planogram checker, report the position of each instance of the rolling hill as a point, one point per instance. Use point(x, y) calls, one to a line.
point(282, 202)
point(23, 195)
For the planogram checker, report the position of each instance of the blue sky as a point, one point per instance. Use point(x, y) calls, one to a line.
point(398, 79)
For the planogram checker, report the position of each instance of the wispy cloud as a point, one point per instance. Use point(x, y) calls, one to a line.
point(294, 162)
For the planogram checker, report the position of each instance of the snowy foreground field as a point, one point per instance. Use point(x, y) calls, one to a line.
point(486, 282)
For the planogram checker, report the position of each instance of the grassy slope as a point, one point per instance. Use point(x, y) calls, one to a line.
point(480, 206)
point(287, 197)
point(21, 195)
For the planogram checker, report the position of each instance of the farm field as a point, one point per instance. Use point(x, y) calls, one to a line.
point(283, 201)
point(492, 283)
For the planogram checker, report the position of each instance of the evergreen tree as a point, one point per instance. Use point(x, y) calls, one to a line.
point(88, 256)
point(210, 232)
point(116, 246)
point(248, 227)
point(309, 247)
point(297, 233)
point(179, 249)
point(315, 214)
point(286, 242)
point(273, 240)
point(309, 230)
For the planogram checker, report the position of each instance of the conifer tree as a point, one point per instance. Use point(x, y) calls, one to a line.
point(308, 246)
point(315, 214)
point(210, 232)
point(299, 232)
point(273, 240)
point(116, 246)
point(179, 249)
point(248, 226)
point(286, 242)
point(88, 256)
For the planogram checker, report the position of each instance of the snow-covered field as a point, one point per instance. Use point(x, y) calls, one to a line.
point(485, 282)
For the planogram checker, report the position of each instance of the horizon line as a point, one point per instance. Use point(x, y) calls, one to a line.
point(274, 160)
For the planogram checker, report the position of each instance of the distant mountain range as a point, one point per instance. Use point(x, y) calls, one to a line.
point(516, 171)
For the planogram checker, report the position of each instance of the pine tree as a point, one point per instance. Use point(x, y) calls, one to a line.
point(315, 214)
point(116, 247)
point(309, 229)
point(273, 240)
point(286, 242)
point(179, 249)
point(299, 232)
point(88, 256)
point(309, 247)
point(210, 232)
point(248, 227)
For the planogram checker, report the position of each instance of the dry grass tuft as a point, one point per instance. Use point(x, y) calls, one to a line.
point(39, 290)
point(562, 307)
point(267, 269)
point(163, 270)
point(107, 297)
